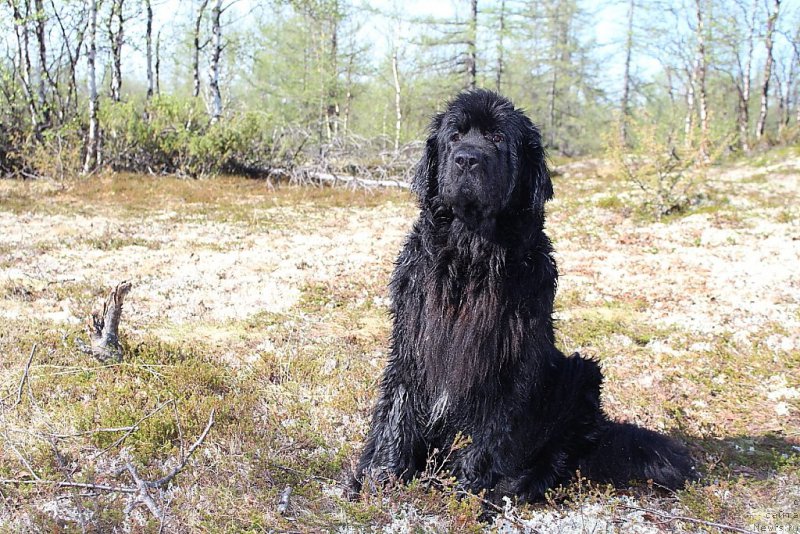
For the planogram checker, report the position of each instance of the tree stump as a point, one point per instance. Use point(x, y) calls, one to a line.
point(104, 326)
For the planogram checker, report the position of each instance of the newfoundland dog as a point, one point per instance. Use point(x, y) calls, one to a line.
point(473, 351)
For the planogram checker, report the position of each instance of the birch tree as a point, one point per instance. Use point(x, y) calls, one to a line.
point(701, 64)
point(397, 108)
point(768, 45)
point(149, 47)
point(472, 46)
point(116, 29)
point(215, 96)
point(498, 79)
point(196, 48)
point(94, 128)
point(625, 107)
point(21, 18)
point(738, 38)
point(40, 18)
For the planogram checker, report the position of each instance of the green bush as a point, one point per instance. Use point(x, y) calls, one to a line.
point(169, 135)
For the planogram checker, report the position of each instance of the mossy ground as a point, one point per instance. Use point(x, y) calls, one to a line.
point(268, 305)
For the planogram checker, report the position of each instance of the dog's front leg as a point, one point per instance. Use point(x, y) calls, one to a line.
point(394, 447)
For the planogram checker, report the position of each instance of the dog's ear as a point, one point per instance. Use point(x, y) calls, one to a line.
point(425, 181)
point(534, 169)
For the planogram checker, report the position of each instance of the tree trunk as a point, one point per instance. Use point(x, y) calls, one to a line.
point(557, 42)
point(196, 49)
point(782, 99)
point(796, 46)
point(688, 122)
point(158, 62)
point(744, 93)
point(626, 80)
point(332, 104)
point(92, 141)
point(701, 80)
point(383, 125)
point(149, 48)
point(397, 109)
point(25, 75)
point(348, 91)
point(472, 46)
point(70, 106)
point(116, 39)
point(500, 50)
point(213, 82)
point(768, 42)
point(44, 106)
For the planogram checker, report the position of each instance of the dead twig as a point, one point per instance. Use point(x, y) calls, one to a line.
point(162, 482)
point(142, 494)
point(25, 373)
point(671, 517)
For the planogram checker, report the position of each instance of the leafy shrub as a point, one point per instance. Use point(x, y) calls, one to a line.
point(670, 178)
point(175, 136)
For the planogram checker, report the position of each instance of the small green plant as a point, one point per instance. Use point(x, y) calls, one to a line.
point(670, 178)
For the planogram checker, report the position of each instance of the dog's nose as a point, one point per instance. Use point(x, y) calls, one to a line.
point(466, 158)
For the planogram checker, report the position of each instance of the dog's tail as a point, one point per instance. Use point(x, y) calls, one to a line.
point(626, 452)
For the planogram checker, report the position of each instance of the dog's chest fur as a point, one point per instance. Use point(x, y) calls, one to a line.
point(464, 316)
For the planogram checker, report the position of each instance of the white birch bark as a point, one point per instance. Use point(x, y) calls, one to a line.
point(116, 39)
point(500, 49)
point(626, 80)
point(701, 80)
point(92, 141)
point(744, 94)
point(397, 108)
point(768, 43)
point(196, 49)
point(213, 78)
point(149, 48)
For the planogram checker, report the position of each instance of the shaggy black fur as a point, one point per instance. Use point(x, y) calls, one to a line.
point(473, 348)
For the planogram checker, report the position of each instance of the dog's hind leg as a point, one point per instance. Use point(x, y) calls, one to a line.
point(626, 452)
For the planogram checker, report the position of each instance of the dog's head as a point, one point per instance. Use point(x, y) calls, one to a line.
point(483, 160)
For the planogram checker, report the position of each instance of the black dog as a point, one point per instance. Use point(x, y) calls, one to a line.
point(473, 350)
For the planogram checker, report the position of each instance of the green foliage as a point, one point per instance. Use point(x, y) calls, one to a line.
point(670, 178)
point(170, 135)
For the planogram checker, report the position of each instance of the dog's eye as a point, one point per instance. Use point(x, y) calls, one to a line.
point(455, 137)
point(496, 137)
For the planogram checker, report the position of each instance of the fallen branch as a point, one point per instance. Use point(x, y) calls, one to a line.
point(141, 492)
point(670, 517)
point(162, 482)
point(352, 180)
point(142, 495)
point(64, 484)
point(336, 179)
point(104, 326)
point(24, 378)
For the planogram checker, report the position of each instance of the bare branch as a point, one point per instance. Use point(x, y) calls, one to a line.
point(670, 517)
point(161, 482)
point(24, 378)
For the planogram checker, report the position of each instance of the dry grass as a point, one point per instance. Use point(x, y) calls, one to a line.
point(269, 306)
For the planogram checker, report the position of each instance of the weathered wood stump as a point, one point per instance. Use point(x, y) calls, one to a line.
point(104, 326)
